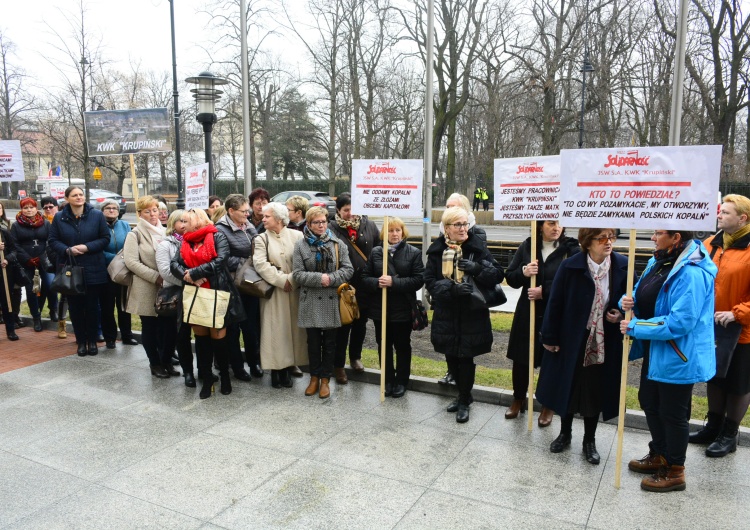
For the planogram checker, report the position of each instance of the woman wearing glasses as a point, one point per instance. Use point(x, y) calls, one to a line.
point(458, 330)
point(320, 265)
point(581, 368)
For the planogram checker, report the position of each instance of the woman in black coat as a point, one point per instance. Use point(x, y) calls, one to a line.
point(552, 248)
point(202, 261)
point(361, 236)
point(6, 270)
point(459, 331)
point(581, 368)
point(404, 278)
point(80, 232)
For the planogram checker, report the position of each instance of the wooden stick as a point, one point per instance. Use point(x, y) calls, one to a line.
point(532, 326)
point(5, 283)
point(383, 311)
point(133, 180)
point(624, 373)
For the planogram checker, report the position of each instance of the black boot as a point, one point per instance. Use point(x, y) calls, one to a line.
point(10, 329)
point(726, 442)
point(589, 449)
point(285, 378)
point(204, 357)
point(38, 324)
point(275, 381)
point(560, 443)
point(710, 431)
point(221, 357)
point(207, 388)
point(189, 380)
point(53, 315)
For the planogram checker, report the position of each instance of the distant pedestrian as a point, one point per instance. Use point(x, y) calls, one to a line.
point(477, 198)
point(485, 200)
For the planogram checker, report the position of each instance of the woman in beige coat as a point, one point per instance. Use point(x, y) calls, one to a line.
point(283, 343)
point(140, 258)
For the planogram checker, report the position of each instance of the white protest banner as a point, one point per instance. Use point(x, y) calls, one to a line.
point(527, 189)
point(11, 163)
point(670, 188)
point(196, 187)
point(127, 132)
point(387, 187)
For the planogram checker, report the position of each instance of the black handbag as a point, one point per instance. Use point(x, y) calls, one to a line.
point(419, 318)
point(485, 297)
point(168, 301)
point(69, 281)
point(726, 341)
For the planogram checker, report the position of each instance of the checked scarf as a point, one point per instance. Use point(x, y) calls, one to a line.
point(451, 255)
point(595, 343)
point(33, 222)
point(323, 254)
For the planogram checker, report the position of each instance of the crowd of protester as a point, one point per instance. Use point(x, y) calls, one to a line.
point(689, 291)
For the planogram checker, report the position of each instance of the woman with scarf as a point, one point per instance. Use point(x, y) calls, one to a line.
point(80, 233)
point(673, 310)
point(320, 265)
point(114, 294)
point(140, 257)
point(361, 236)
point(459, 330)
point(581, 368)
point(9, 254)
point(49, 210)
point(202, 261)
point(30, 233)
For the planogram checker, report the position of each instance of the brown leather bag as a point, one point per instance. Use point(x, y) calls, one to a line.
point(348, 307)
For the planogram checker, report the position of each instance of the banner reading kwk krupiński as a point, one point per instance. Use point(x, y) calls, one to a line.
point(127, 132)
point(527, 189)
point(669, 188)
point(387, 187)
point(196, 186)
point(11, 163)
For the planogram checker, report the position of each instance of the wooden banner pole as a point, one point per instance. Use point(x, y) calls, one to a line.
point(5, 282)
point(624, 372)
point(133, 180)
point(532, 334)
point(383, 323)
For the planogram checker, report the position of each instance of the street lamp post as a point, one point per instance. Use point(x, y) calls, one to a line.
point(587, 68)
point(727, 171)
point(206, 97)
point(84, 63)
point(176, 112)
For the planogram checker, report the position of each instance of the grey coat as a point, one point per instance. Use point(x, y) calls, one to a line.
point(240, 241)
point(319, 306)
point(164, 254)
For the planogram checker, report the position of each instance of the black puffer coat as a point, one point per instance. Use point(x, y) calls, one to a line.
point(457, 329)
point(407, 271)
point(240, 241)
point(10, 255)
point(217, 273)
point(368, 238)
point(518, 343)
point(30, 242)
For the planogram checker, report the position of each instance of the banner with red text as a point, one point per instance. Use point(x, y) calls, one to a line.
point(669, 188)
point(196, 186)
point(11, 163)
point(527, 189)
point(387, 187)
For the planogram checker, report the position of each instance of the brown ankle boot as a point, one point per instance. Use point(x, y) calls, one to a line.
point(668, 478)
point(340, 374)
point(545, 417)
point(325, 390)
point(649, 464)
point(312, 388)
point(61, 329)
point(514, 409)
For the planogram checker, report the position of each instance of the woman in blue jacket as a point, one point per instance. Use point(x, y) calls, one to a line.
point(80, 231)
point(673, 327)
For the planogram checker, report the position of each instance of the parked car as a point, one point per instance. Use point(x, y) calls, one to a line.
point(97, 196)
point(316, 198)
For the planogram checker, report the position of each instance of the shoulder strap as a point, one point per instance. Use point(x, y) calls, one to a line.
point(359, 252)
point(336, 248)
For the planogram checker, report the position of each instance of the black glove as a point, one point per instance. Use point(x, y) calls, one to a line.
point(468, 266)
point(462, 289)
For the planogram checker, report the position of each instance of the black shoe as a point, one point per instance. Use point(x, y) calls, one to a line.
point(100, 338)
point(226, 384)
point(560, 443)
point(462, 415)
point(130, 341)
point(111, 345)
point(206, 389)
point(242, 375)
point(175, 361)
point(37, 324)
point(285, 378)
point(93, 349)
point(294, 371)
point(171, 371)
point(453, 407)
point(256, 370)
point(592, 455)
point(275, 379)
point(81, 350)
point(447, 379)
point(159, 371)
point(19, 323)
point(722, 446)
point(399, 391)
point(710, 431)
point(388, 389)
point(12, 335)
point(190, 380)
point(53, 315)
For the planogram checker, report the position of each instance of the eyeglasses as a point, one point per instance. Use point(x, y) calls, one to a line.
point(604, 239)
point(459, 226)
point(244, 212)
point(108, 208)
point(322, 222)
point(49, 207)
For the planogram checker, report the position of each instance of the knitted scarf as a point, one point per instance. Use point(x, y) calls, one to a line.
point(730, 239)
point(198, 248)
point(595, 343)
point(451, 255)
point(323, 254)
point(352, 226)
point(33, 222)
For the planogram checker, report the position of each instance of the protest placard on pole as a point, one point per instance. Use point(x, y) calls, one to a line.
point(127, 132)
point(11, 162)
point(665, 188)
point(196, 186)
point(386, 187)
point(528, 189)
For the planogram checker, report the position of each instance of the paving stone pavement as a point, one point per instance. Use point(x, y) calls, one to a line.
point(97, 442)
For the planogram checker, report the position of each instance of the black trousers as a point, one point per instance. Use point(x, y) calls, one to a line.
point(156, 337)
point(357, 331)
point(398, 336)
point(184, 346)
point(321, 349)
point(463, 370)
point(84, 313)
point(7, 311)
point(250, 329)
point(667, 408)
point(113, 298)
